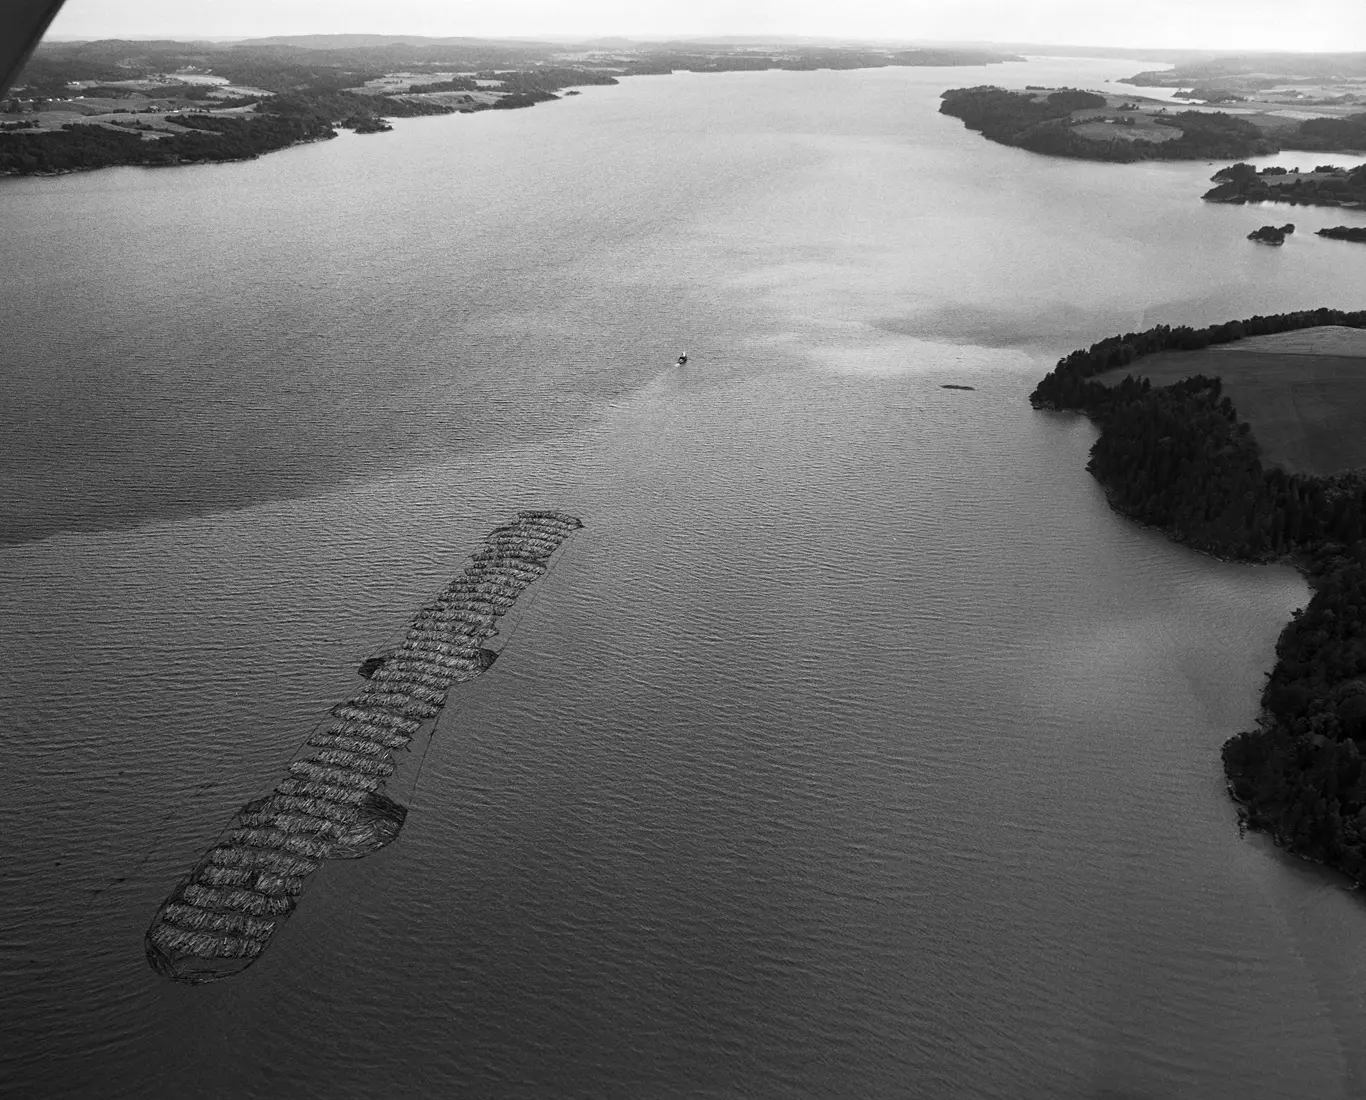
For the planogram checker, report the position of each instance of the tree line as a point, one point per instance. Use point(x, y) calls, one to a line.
point(1179, 458)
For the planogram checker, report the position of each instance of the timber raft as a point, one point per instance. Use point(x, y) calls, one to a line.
point(222, 914)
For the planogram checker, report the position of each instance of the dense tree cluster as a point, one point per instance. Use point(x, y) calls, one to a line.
point(1073, 99)
point(521, 99)
point(1329, 134)
point(455, 84)
point(1177, 457)
point(998, 114)
point(722, 58)
point(1046, 126)
point(332, 107)
point(547, 78)
point(1299, 775)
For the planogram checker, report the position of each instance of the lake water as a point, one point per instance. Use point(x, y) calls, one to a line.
point(853, 748)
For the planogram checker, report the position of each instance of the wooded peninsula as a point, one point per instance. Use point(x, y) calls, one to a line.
point(1089, 125)
point(1069, 122)
point(1179, 457)
point(1227, 107)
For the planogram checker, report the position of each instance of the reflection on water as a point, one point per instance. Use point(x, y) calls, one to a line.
point(852, 748)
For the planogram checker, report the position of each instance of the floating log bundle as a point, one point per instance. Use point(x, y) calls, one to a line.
point(332, 804)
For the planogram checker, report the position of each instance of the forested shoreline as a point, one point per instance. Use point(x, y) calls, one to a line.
point(279, 121)
point(156, 114)
point(1178, 457)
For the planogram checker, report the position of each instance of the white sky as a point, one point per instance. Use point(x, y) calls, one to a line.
point(1334, 25)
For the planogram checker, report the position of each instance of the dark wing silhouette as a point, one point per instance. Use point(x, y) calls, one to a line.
point(22, 23)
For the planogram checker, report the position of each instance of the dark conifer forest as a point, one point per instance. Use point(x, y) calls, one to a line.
point(1177, 457)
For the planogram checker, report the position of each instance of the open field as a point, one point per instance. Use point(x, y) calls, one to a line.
point(1307, 411)
point(459, 101)
point(1324, 340)
point(145, 103)
point(1103, 129)
point(1129, 117)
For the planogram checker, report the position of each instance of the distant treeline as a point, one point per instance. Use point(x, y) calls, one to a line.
point(542, 81)
point(273, 67)
point(725, 59)
point(1263, 70)
point(312, 89)
point(288, 67)
point(1178, 457)
point(547, 78)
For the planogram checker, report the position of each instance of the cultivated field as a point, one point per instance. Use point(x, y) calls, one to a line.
point(1304, 393)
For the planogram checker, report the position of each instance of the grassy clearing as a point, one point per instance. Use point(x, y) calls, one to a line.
point(1324, 340)
point(1307, 411)
point(1101, 130)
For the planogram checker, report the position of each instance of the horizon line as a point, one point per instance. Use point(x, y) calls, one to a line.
point(732, 38)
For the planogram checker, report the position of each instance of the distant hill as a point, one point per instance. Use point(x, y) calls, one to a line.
point(371, 41)
point(1237, 68)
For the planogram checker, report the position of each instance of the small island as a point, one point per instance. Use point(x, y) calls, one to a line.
point(1285, 481)
point(1326, 185)
point(1271, 234)
point(954, 386)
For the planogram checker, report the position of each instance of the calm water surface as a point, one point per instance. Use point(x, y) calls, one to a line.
point(854, 748)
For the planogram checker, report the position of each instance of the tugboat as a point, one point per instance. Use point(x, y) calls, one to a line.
point(683, 359)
